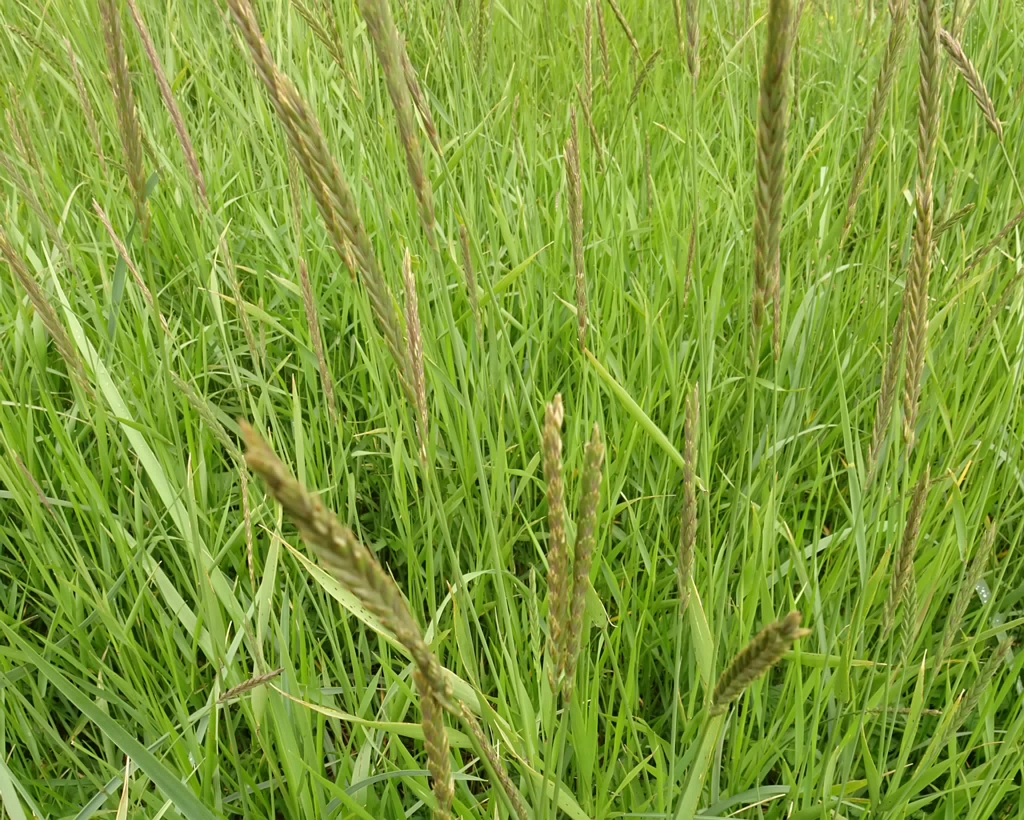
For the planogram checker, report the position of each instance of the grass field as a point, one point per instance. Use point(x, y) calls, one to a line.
point(146, 573)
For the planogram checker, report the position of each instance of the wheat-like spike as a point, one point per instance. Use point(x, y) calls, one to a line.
point(1007, 229)
point(123, 251)
point(688, 531)
point(908, 624)
point(691, 256)
point(331, 43)
point(199, 403)
point(483, 27)
point(46, 311)
point(953, 220)
point(346, 558)
point(90, 117)
point(471, 289)
point(641, 78)
point(648, 178)
point(313, 320)
point(515, 798)
point(973, 79)
point(772, 122)
point(558, 551)
point(903, 566)
point(236, 292)
point(693, 38)
point(172, 106)
point(330, 191)
point(677, 12)
point(415, 333)
point(887, 396)
point(984, 682)
point(246, 687)
point(965, 591)
point(388, 45)
point(588, 56)
point(586, 537)
point(603, 37)
point(595, 138)
point(876, 113)
point(575, 185)
point(124, 102)
point(761, 654)
point(19, 132)
point(435, 739)
point(35, 43)
point(628, 31)
point(929, 101)
point(420, 101)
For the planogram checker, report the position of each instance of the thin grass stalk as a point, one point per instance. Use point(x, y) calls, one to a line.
point(691, 256)
point(205, 412)
point(471, 287)
point(688, 530)
point(86, 103)
point(973, 79)
point(435, 740)
point(20, 135)
point(771, 165)
point(761, 654)
point(46, 311)
point(677, 12)
point(172, 105)
point(997, 308)
point(236, 293)
point(389, 47)
point(330, 191)
point(583, 555)
point(602, 32)
point(876, 113)
point(964, 593)
point(247, 525)
point(628, 31)
point(139, 282)
point(929, 101)
point(887, 396)
point(558, 551)
point(641, 78)
point(985, 251)
point(124, 103)
point(903, 567)
point(313, 321)
point(575, 186)
point(420, 101)
point(415, 334)
point(648, 178)
point(588, 56)
point(693, 39)
point(595, 139)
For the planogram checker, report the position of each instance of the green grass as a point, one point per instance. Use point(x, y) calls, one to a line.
point(127, 605)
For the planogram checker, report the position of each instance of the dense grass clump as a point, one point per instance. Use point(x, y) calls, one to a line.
point(352, 456)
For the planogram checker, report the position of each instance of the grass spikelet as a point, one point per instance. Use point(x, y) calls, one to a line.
point(641, 78)
point(86, 103)
point(953, 220)
point(583, 555)
point(124, 103)
point(903, 567)
point(246, 687)
point(628, 31)
point(985, 251)
point(333, 197)
point(390, 49)
point(46, 311)
point(688, 530)
point(691, 256)
point(313, 320)
point(964, 592)
point(415, 334)
point(331, 42)
point(172, 106)
point(123, 251)
point(887, 396)
point(558, 551)
point(602, 33)
point(693, 39)
point(595, 138)
point(876, 113)
point(772, 122)
point(20, 135)
point(497, 767)
point(973, 79)
point(929, 101)
point(575, 185)
point(760, 655)
point(420, 101)
point(435, 739)
point(483, 29)
point(588, 58)
point(677, 11)
point(471, 289)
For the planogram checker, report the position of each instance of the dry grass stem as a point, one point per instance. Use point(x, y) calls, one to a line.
point(595, 138)
point(500, 772)
point(123, 251)
point(903, 567)
point(965, 592)
point(247, 524)
point(199, 403)
point(929, 100)
point(693, 38)
point(46, 311)
point(390, 50)
point(973, 79)
point(688, 530)
point(333, 197)
point(583, 555)
point(415, 334)
point(19, 133)
point(887, 396)
point(471, 288)
point(248, 686)
point(602, 33)
point(124, 103)
point(691, 256)
point(171, 104)
point(575, 185)
point(760, 655)
point(558, 551)
point(236, 294)
point(435, 740)
point(313, 320)
point(772, 123)
point(90, 117)
point(625, 27)
point(876, 113)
